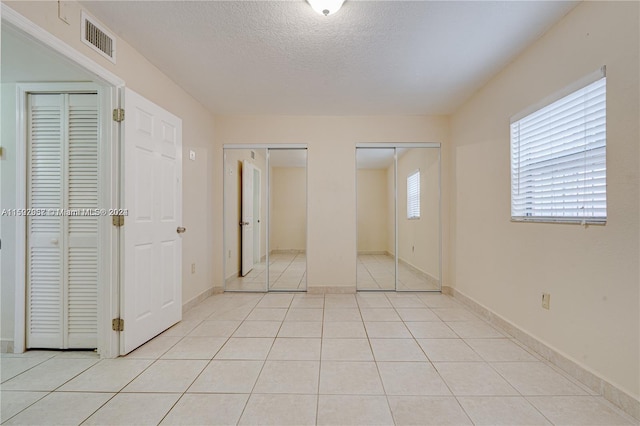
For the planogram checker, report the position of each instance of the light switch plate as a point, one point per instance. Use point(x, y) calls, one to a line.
point(546, 299)
point(63, 11)
point(192, 155)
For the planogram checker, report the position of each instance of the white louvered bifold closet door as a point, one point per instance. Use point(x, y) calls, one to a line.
point(62, 270)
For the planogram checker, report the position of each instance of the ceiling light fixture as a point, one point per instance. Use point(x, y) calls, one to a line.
point(326, 7)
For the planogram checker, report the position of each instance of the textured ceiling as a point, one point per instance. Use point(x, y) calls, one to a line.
point(372, 57)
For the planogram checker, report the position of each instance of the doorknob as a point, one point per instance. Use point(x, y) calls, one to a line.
point(181, 230)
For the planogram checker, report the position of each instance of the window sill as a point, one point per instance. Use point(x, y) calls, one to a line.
point(561, 220)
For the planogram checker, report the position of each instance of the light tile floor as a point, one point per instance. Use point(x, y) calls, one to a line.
point(377, 272)
point(371, 358)
point(287, 272)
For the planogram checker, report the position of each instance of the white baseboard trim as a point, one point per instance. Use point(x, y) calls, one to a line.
point(287, 251)
point(199, 298)
point(6, 346)
point(611, 393)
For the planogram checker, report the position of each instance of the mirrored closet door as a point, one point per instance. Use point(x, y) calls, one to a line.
point(398, 217)
point(287, 219)
point(265, 218)
point(375, 191)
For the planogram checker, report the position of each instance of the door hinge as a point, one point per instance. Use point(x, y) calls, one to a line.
point(117, 324)
point(118, 115)
point(117, 220)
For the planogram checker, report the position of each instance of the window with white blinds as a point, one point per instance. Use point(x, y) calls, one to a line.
point(413, 195)
point(558, 159)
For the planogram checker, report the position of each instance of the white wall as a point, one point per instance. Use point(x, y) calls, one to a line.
point(373, 206)
point(146, 79)
point(331, 255)
point(288, 204)
point(591, 273)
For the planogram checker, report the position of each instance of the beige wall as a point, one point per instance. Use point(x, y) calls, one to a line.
point(288, 204)
point(144, 78)
point(373, 211)
point(419, 239)
point(233, 205)
point(331, 144)
point(591, 273)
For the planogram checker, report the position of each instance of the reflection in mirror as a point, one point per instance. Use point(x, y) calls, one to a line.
point(376, 219)
point(245, 197)
point(287, 219)
point(418, 219)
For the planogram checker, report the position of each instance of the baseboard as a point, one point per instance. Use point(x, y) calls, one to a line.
point(373, 252)
point(6, 346)
point(233, 275)
point(331, 289)
point(199, 298)
point(608, 391)
point(287, 251)
point(433, 281)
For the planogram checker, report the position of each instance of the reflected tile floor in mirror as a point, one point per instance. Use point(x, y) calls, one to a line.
point(376, 272)
point(299, 359)
point(287, 271)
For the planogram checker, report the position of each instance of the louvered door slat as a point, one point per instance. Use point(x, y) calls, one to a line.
point(82, 194)
point(45, 261)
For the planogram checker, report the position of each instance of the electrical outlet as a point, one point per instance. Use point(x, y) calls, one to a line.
point(192, 155)
point(546, 298)
point(193, 268)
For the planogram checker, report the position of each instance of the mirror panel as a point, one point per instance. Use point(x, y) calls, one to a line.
point(287, 219)
point(376, 216)
point(245, 198)
point(418, 219)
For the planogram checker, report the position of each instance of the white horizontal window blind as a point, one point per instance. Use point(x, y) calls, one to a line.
point(558, 159)
point(413, 195)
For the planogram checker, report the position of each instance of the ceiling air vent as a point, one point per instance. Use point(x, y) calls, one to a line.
point(98, 38)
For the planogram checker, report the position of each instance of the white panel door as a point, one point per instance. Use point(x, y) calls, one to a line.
point(152, 192)
point(247, 217)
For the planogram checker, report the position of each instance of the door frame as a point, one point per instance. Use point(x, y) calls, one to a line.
point(23, 90)
point(395, 147)
point(108, 98)
point(266, 147)
point(256, 218)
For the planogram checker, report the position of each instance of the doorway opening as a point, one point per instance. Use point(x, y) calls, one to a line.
point(62, 236)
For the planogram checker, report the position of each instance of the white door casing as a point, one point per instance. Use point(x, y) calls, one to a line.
point(257, 200)
point(247, 217)
point(151, 289)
